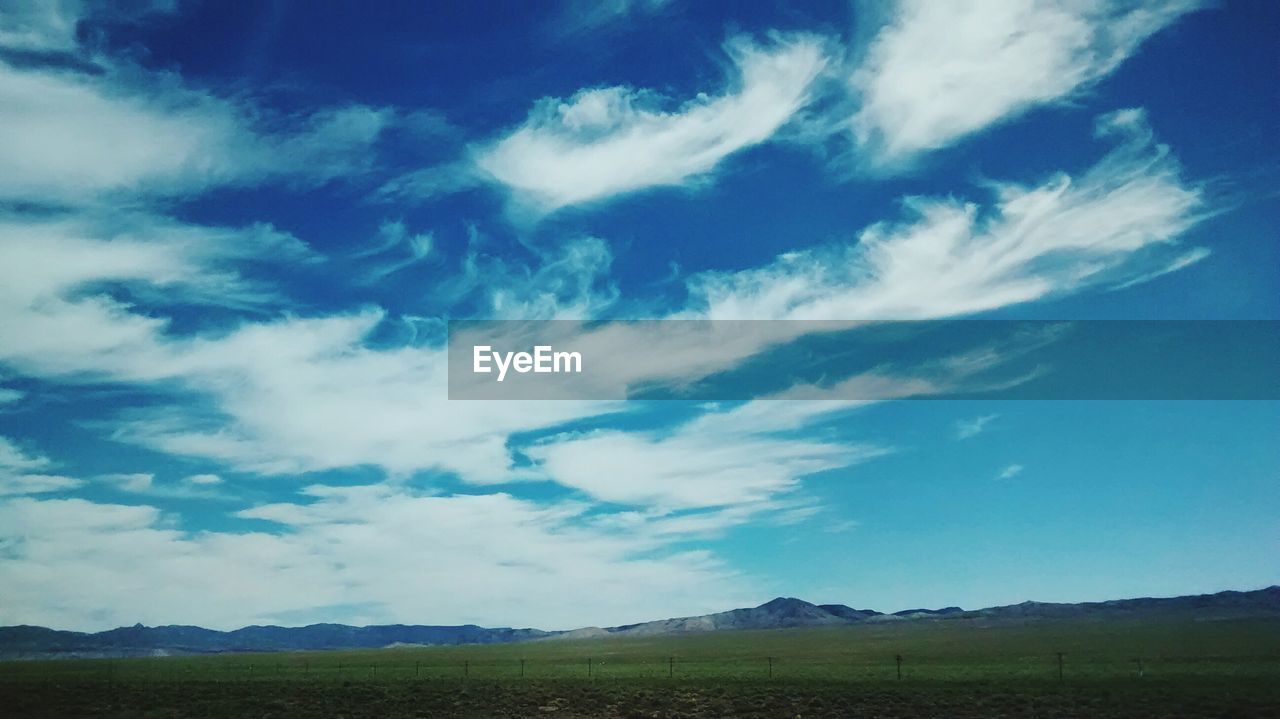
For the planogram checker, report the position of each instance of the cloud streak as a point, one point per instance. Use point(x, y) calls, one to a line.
point(968, 428)
point(1010, 471)
point(505, 560)
point(605, 142)
point(1110, 224)
point(940, 71)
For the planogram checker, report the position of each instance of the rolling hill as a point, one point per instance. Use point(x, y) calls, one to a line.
point(29, 642)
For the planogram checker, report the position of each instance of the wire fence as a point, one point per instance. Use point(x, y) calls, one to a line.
point(1053, 666)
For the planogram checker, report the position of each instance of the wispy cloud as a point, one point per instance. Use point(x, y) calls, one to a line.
point(579, 16)
point(609, 141)
point(1010, 472)
point(59, 315)
point(40, 26)
point(87, 127)
point(13, 457)
point(22, 472)
point(79, 138)
point(397, 249)
point(50, 26)
point(199, 486)
point(1110, 224)
point(939, 71)
point(506, 560)
point(739, 456)
point(967, 428)
point(301, 394)
point(842, 527)
point(137, 482)
point(570, 280)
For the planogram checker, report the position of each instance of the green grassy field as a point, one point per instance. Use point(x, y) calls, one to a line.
point(1188, 668)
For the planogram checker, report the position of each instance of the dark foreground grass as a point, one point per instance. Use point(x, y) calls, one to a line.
point(1168, 667)
point(1216, 697)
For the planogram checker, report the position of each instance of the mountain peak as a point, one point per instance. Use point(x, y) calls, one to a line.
point(781, 603)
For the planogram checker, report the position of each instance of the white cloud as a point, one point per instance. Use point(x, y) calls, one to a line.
point(137, 483)
point(58, 317)
point(939, 71)
point(967, 428)
point(15, 484)
point(740, 456)
point(78, 139)
point(19, 472)
point(40, 25)
point(72, 136)
point(385, 550)
point(198, 486)
point(1186, 259)
point(306, 394)
point(286, 396)
point(14, 458)
point(397, 249)
point(567, 282)
point(50, 26)
point(609, 141)
point(1108, 225)
point(1010, 472)
point(303, 394)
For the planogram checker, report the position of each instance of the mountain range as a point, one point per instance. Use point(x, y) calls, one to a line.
point(30, 642)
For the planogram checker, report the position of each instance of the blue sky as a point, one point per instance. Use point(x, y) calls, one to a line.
point(231, 238)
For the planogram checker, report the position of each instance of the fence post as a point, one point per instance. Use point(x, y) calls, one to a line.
point(1139, 661)
point(1060, 666)
point(588, 667)
point(898, 659)
point(770, 667)
point(522, 669)
point(671, 667)
point(417, 669)
point(466, 668)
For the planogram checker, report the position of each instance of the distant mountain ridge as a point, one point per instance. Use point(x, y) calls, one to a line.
point(785, 612)
point(32, 642)
point(29, 642)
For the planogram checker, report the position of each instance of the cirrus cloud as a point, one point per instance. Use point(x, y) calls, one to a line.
point(609, 141)
point(939, 71)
